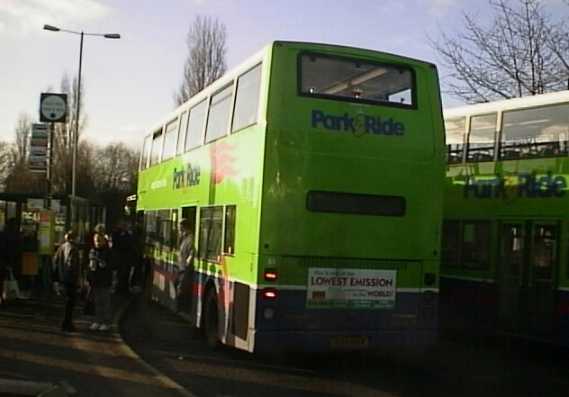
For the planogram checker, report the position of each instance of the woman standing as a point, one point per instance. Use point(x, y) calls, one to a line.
point(101, 279)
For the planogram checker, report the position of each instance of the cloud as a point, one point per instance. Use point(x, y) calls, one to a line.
point(441, 7)
point(21, 17)
point(130, 134)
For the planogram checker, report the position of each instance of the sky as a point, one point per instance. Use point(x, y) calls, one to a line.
point(129, 83)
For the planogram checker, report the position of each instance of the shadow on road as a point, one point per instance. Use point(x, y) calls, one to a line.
point(450, 369)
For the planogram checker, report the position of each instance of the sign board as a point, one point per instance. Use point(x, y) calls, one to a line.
point(331, 288)
point(39, 148)
point(46, 233)
point(55, 206)
point(37, 164)
point(53, 108)
point(38, 151)
point(40, 131)
point(35, 204)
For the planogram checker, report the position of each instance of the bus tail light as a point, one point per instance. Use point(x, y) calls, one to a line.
point(271, 275)
point(270, 294)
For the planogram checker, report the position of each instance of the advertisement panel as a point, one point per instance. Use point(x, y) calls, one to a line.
point(38, 149)
point(45, 233)
point(351, 288)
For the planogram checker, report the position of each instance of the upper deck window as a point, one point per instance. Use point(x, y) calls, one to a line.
point(535, 132)
point(170, 138)
point(481, 138)
point(455, 131)
point(146, 152)
point(247, 99)
point(219, 112)
point(182, 133)
point(356, 80)
point(195, 125)
point(156, 147)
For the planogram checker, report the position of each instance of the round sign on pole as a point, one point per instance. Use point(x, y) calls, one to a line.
point(53, 108)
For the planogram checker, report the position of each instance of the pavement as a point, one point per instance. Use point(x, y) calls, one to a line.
point(37, 357)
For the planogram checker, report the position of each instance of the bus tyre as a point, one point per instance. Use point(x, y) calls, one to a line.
point(211, 321)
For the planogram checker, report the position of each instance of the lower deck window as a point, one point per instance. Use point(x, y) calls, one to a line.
point(451, 243)
point(211, 228)
point(360, 204)
point(476, 244)
point(229, 237)
point(466, 244)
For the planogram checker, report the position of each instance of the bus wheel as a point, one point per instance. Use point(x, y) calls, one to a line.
point(211, 320)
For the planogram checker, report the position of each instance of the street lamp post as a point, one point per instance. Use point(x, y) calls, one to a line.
point(77, 108)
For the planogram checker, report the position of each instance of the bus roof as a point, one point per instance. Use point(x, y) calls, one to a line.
point(248, 63)
point(308, 43)
point(507, 104)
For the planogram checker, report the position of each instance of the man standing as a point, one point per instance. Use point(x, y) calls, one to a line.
point(123, 255)
point(185, 278)
point(66, 266)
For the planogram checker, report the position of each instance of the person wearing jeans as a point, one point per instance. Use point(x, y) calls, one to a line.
point(101, 279)
point(66, 266)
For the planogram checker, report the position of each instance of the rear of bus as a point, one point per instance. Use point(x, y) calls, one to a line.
point(352, 201)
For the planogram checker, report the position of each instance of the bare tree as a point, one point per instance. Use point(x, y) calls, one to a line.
point(512, 56)
point(116, 168)
point(6, 163)
point(16, 175)
point(115, 176)
point(206, 57)
point(22, 138)
point(63, 138)
point(558, 43)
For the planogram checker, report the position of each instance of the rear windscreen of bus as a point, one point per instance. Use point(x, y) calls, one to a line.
point(361, 204)
point(356, 80)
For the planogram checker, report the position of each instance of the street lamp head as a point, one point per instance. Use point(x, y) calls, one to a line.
point(52, 28)
point(112, 36)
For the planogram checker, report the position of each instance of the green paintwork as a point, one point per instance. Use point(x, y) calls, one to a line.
point(300, 158)
point(281, 158)
point(509, 207)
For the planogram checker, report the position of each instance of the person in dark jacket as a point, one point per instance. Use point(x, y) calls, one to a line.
point(185, 267)
point(101, 279)
point(124, 255)
point(3, 266)
point(66, 267)
point(13, 245)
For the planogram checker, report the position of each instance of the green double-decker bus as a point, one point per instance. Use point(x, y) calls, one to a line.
point(312, 175)
point(505, 260)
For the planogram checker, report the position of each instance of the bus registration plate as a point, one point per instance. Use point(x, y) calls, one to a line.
point(349, 342)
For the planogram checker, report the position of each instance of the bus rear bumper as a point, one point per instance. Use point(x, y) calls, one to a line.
point(413, 341)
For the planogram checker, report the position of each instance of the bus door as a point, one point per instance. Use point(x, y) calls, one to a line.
point(189, 213)
point(526, 277)
point(186, 289)
point(510, 275)
point(541, 279)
